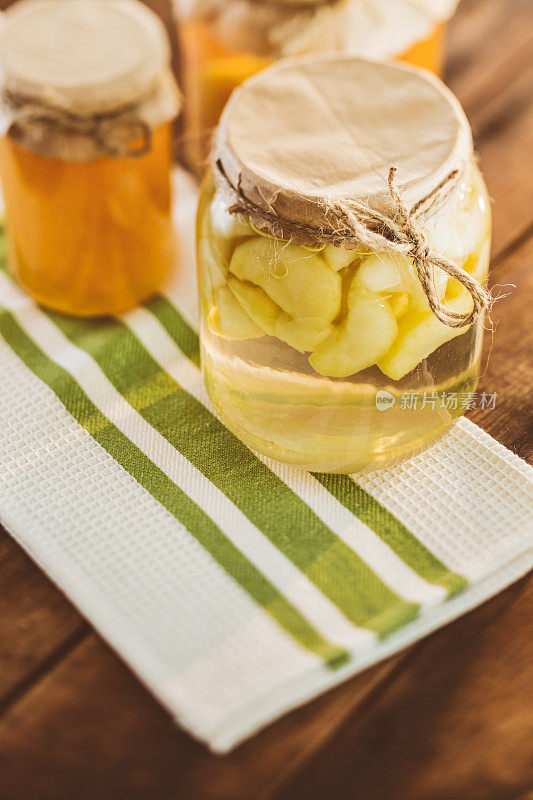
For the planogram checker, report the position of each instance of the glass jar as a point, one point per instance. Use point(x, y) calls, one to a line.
point(86, 157)
point(331, 358)
point(223, 42)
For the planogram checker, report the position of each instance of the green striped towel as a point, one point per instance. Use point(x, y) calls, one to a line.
point(235, 587)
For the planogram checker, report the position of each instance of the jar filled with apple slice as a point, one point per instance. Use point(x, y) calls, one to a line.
point(223, 42)
point(343, 250)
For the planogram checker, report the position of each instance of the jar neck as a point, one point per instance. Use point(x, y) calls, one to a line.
point(49, 128)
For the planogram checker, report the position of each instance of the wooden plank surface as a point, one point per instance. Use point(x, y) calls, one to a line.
point(449, 719)
point(491, 71)
point(37, 624)
point(454, 723)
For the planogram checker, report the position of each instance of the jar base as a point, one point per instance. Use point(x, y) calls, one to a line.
point(347, 464)
point(322, 426)
point(86, 312)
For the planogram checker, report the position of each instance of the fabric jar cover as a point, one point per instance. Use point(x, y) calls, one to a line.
point(71, 67)
point(350, 152)
point(380, 28)
point(327, 130)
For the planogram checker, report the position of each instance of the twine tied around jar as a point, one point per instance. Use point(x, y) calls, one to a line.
point(355, 224)
point(112, 132)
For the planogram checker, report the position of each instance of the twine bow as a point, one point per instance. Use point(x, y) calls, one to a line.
point(354, 225)
point(425, 259)
point(112, 132)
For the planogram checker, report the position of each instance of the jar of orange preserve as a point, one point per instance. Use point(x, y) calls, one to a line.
point(222, 42)
point(85, 152)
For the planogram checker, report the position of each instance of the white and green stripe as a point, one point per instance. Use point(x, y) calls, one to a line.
point(342, 519)
point(360, 504)
point(57, 363)
point(129, 565)
point(332, 566)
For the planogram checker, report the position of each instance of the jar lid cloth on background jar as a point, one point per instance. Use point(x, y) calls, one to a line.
point(374, 28)
point(349, 152)
point(84, 79)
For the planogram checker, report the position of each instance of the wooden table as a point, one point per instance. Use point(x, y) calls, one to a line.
point(451, 718)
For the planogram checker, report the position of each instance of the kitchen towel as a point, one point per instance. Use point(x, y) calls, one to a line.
point(235, 587)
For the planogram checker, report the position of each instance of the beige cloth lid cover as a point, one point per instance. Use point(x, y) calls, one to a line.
point(306, 148)
point(441, 8)
point(371, 28)
point(309, 133)
point(88, 58)
point(298, 3)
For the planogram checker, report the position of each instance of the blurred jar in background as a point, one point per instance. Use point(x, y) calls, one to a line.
point(222, 42)
point(85, 155)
